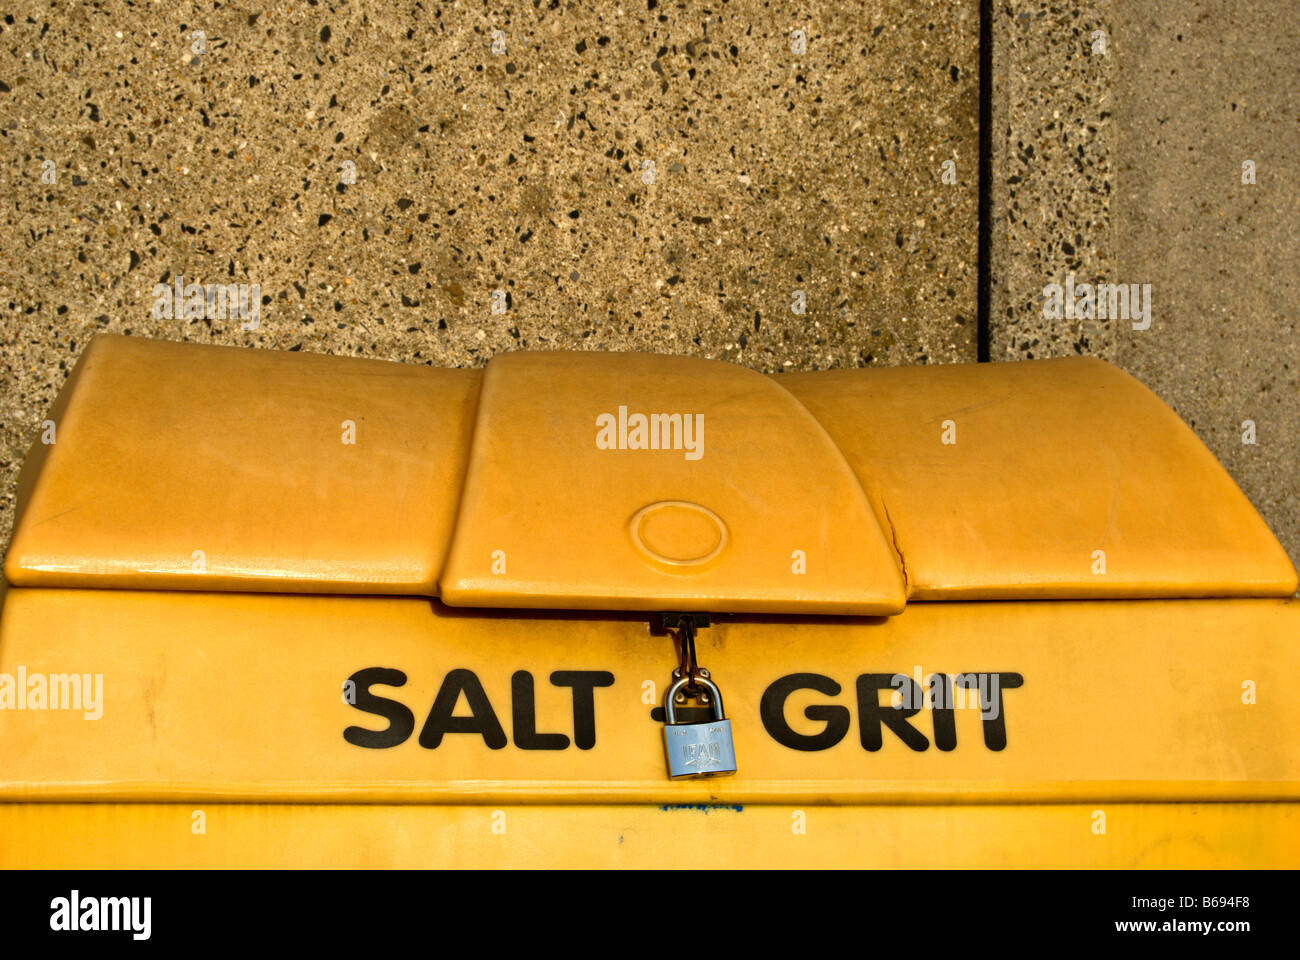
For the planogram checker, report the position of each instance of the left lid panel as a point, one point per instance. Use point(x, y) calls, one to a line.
point(184, 467)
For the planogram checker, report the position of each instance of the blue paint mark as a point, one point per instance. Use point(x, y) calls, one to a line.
point(705, 808)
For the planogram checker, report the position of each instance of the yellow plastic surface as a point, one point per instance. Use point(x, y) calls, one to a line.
point(760, 513)
point(1140, 836)
point(240, 697)
point(1053, 462)
point(1141, 734)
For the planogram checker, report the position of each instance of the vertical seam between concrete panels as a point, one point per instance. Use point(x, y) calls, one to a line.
point(985, 244)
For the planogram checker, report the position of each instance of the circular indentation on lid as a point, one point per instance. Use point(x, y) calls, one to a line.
point(678, 534)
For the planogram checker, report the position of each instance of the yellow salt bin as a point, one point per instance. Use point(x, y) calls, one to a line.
point(284, 610)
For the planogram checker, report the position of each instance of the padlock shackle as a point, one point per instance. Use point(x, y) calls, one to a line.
point(670, 712)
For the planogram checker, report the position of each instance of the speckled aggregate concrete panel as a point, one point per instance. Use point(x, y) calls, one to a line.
point(1202, 88)
point(1053, 151)
point(1125, 166)
point(646, 176)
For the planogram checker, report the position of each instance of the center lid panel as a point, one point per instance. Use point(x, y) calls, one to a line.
point(631, 481)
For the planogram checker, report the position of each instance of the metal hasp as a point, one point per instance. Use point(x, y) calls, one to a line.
point(688, 666)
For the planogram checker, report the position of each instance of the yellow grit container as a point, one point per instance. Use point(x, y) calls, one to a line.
point(277, 609)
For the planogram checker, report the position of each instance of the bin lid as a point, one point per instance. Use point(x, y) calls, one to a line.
point(626, 482)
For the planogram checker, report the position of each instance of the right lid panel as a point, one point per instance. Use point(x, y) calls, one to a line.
point(1043, 479)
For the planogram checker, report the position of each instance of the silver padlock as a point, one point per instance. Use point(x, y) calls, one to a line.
point(698, 749)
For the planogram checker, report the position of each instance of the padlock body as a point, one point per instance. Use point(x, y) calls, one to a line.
point(697, 750)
